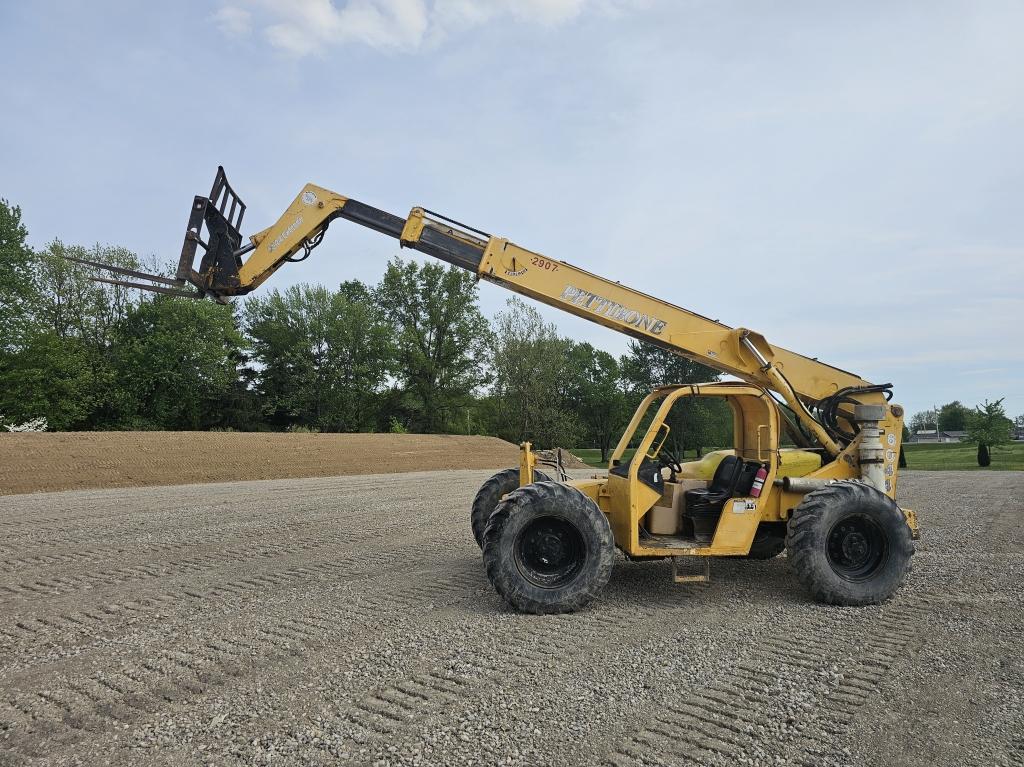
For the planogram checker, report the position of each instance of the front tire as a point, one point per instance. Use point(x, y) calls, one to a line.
point(490, 494)
point(548, 548)
point(849, 544)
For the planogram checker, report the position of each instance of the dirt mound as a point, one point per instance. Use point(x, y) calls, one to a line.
point(77, 460)
point(569, 461)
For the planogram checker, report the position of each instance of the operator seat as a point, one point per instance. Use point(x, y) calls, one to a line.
point(704, 506)
point(720, 489)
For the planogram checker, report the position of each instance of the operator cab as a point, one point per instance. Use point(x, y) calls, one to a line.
point(712, 500)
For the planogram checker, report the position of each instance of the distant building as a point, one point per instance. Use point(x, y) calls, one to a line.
point(930, 435)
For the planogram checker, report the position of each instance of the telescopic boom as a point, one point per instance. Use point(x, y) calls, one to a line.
point(229, 268)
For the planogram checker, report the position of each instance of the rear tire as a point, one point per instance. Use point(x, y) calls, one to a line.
point(849, 544)
point(490, 494)
point(548, 548)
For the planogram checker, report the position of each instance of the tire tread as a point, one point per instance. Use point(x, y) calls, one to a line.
point(546, 495)
point(803, 542)
point(489, 496)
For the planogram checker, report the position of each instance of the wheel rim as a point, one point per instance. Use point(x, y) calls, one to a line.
point(856, 547)
point(549, 552)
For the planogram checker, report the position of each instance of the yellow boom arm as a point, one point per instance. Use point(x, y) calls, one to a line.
point(230, 268)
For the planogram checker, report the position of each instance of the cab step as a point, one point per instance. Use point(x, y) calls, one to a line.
point(702, 576)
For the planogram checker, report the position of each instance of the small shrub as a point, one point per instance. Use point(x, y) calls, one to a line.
point(397, 427)
point(984, 459)
point(300, 429)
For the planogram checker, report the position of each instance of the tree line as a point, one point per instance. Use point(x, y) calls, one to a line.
point(411, 353)
point(986, 425)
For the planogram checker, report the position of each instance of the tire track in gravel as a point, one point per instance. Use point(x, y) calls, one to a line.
point(712, 720)
point(383, 713)
point(725, 721)
point(774, 678)
point(715, 723)
point(390, 712)
point(91, 702)
point(194, 565)
point(170, 515)
point(317, 539)
point(386, 717)
point(20, 632)
point(157, 677)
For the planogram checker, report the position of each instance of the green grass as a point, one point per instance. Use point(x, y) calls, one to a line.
point(963, 456)
point(592, 456)
point(944, 457)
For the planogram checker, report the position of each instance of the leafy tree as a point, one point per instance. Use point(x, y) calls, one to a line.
point(531, 366)
point(238, 407)
point(61, 362)
point(923, 421)
point(989, 427)
point(50, 377)
point(175, 360)
point(953, 416)
point(69, 303)
point(706, 422)
point(694, 422)
point(324, 356)
point(17, 287)
point(596, 396)
point(646, 366)
point(442, 339)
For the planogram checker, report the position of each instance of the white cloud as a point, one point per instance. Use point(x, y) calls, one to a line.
point(470, 13)
point(234, 21)
point(301, 27)
point(306, 26)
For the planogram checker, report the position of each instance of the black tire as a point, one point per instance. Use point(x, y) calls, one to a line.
point(490, 494)
point(548, 548)
point(769, 541)
point(849, 544)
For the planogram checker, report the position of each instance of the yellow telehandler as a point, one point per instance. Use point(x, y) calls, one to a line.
point(549, 546)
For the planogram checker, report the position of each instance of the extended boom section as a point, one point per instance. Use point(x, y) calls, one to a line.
point(227, 267)
point(230, 268)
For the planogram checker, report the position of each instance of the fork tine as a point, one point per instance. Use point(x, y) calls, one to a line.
point(150, 288)
point(128, 272)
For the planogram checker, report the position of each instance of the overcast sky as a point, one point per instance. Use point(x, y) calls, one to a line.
point(846, 178)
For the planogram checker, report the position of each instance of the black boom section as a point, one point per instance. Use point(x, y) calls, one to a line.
point(432, 241)
point(372, 218)
point(447, 248)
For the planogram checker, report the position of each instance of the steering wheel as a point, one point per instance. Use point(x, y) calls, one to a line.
point(668, 459)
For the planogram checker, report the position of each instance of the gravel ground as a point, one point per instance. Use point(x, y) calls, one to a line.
point(348, 621)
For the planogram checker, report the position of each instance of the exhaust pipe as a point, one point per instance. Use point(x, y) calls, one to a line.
point(802, 484)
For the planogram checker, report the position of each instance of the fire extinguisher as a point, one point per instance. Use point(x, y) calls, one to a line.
point(759, 478)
